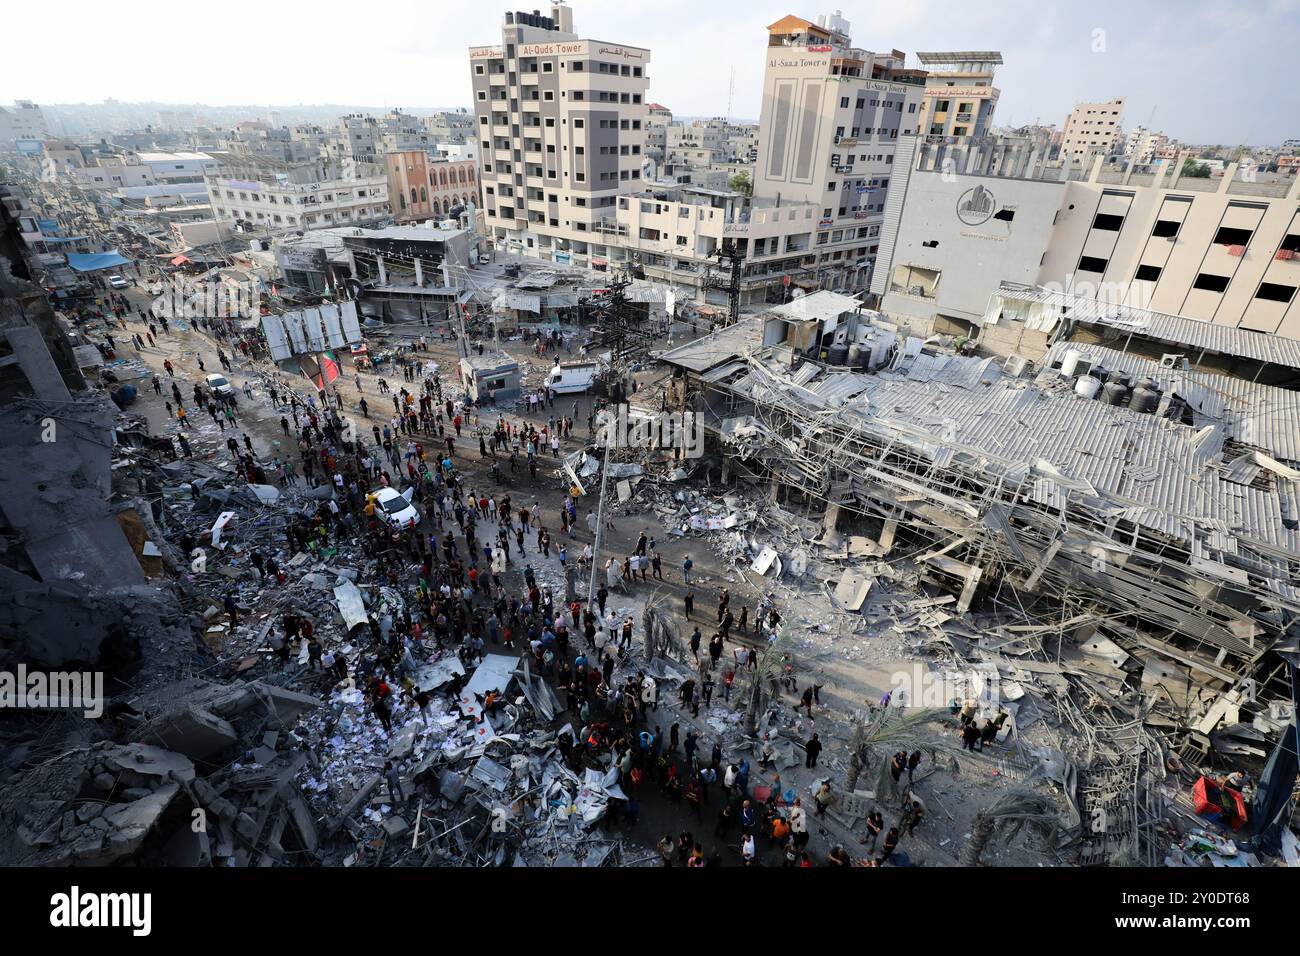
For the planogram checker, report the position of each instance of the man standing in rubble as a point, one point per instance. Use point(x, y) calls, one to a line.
point(394, 780)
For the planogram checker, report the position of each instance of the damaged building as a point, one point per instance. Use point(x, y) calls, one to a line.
point(1142, 516)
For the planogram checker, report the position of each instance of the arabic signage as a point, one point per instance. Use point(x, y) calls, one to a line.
point(485, 52)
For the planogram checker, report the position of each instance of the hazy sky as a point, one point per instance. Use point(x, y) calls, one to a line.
point(1213, 71)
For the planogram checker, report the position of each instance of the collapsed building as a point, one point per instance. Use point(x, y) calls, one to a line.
point(1147, 515)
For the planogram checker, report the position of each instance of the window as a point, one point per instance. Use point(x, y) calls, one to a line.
point(579, 124)
point(547, 67)
point(1165, 229)
point(1210, 283)
point(844, 102)
point(479, 69)
point(1092, 264)
point(1274, 292)
point(548, 96)
point(576, 66)
point(1227, 236)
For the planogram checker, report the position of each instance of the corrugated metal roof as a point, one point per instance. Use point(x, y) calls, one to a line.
point(1164, 475)
point(818, 305)
point(1164, 327)
point(1258, 415)
point(716, 347)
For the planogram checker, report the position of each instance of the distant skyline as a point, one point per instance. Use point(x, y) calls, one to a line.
point(1212, 71)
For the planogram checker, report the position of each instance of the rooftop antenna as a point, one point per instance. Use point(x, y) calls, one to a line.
point(731, 91)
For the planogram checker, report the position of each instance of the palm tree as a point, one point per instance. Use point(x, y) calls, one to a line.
point(765, 672)
point(1012, 811)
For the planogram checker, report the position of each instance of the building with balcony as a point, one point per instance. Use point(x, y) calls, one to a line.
point(831, 118)
point(959, 95)
point(561, 129)
point(262, 196)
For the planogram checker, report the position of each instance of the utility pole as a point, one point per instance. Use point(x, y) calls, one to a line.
point(600, 522)
point(729, 252)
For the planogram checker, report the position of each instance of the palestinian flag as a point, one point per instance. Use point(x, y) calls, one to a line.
point(329, 366)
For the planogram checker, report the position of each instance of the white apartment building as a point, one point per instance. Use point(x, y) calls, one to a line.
point(1092, 129)
point(260, 197)
point(959, 93)
point(21, 121)
point(178, 167)
point(1144, 145)
point(832, 114)
point(1224, 251)
point(561, 127)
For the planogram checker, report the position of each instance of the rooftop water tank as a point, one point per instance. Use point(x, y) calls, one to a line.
point(1145, 398)
point(1073, 359)
point(1115, 392)
point(1087, 386)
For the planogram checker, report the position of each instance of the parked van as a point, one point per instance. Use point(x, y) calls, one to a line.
point(571, 377)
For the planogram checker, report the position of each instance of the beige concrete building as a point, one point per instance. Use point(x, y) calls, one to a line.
point(258, 195)
point(1224, 251)
point(832, 114)
point(1093, 129)
point(561, 124)
point(959, 95)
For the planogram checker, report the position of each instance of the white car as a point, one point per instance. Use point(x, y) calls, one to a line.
point(220, 385)
point(395, 507)
point(117, 282)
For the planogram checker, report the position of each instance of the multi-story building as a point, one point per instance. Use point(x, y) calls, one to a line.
point(959, 95)
point(832, 114)
point(252, 194)
point(450, 128)
point(421, 187)
point(21, 123)
point(178, 167)
point(1092, 129)
point(400, 131)
point(356, 138)
point(1224, 251)
point(561, 126)
point(1142, 145)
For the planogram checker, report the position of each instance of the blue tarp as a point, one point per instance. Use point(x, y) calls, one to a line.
point(94, 261)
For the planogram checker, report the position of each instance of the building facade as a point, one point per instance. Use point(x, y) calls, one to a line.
point(421, 187)
point(1224, 251)
point(959, 95)
point(832, 114)
point(1093, 129)
point(21, 122)
point(561, 124)
point(262, 197)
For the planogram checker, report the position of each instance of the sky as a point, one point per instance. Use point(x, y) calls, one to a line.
point(1203, 71)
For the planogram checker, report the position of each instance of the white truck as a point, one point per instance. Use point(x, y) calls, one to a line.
point(568, 377)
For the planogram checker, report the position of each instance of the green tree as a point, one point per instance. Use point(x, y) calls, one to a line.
point(740, 183)
point(1011, 812)
point(1195, 170)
